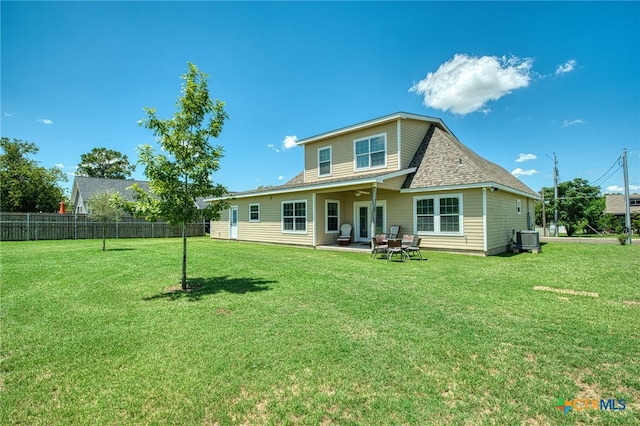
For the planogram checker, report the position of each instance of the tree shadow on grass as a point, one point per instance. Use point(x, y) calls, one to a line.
point(197, 288)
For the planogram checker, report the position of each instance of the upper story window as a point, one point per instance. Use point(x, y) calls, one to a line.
point(370, 152)
point(324, 161)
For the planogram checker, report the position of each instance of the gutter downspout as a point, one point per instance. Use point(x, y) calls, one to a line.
point(485, 242)
point(315, 222)
point(374, 196)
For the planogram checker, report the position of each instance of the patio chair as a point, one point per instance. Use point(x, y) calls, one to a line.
point(394, 230)
point(345, 235)
point(395, 247)
point(414, 247)
point(379, 247)
point(407, 240)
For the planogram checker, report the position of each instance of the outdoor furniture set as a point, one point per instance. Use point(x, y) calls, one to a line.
point(405, 247)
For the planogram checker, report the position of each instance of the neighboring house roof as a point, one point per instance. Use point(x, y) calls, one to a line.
point(615, 203)
point(86, 187)
point(443, 162)
point(90, 186)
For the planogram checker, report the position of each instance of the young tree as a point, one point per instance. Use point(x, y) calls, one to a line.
point(183, 171)
point(105, 163)
point(103, 208)
point(26, 186)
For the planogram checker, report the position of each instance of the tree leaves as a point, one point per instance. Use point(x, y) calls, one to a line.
point(105, 163)
point(26, 186)
point(182, 173)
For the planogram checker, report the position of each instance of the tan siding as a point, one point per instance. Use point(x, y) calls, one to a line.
point(269, 229)
point(401, 213)
point(412, 132)
point(502, 218)
point(342, 161)
point(220, 228)
point(322, 237)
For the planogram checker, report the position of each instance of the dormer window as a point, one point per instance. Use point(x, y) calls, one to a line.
point(324, 161)
point(370, 152)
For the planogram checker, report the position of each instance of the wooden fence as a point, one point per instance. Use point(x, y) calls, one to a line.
point(54, 226)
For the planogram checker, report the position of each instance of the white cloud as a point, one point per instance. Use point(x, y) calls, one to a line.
point(59, 165)
point(280, 177)
point(289, 142)
point(9, 114)
point(520, 172)
point(613, 189)
point(45, 121)
point(525, 157)
point(568, 66)
point(567, 123)
point(465, 84)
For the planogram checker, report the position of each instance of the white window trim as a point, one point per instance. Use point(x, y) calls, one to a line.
point(436, 216)
point(306, 215)
point(330, 161)
point(518, 206)
point(355, 157)
point(326, 217)
point(254, 220)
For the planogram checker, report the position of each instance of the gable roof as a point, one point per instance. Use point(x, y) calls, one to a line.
point(440, 162)
point(90, 186)
point(374, 122)
point(443, 162)
point(87, 187)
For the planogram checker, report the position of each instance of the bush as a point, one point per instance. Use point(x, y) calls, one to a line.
point(622, 238)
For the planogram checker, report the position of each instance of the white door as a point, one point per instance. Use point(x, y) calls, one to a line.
point(233, 223)
point(362, 220)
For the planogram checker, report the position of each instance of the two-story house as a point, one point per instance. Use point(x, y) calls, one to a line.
point(401, 169)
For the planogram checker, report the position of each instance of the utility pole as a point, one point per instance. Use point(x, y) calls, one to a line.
point(627, 208)
point(555, 193)
point(544, 216)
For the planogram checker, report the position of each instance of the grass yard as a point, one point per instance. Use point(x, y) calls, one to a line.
point(283, 335)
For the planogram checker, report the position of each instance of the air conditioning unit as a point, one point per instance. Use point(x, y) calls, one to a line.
point(528, 240)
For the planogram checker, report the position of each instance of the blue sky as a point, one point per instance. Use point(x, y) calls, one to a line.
point(515, 82)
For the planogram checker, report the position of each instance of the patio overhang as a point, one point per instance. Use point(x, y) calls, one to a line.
point(338, 184)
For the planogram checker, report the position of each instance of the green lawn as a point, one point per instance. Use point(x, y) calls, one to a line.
point(283, 335)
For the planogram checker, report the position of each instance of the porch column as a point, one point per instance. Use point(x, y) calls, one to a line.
point(374, 195)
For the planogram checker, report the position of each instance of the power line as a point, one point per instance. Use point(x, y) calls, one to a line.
point(606, 175)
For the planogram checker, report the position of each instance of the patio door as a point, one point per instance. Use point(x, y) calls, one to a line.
point(362, 220)
point(233, 223)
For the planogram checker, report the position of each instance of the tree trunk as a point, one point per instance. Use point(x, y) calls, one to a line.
point(184, 256)
point(103, 239)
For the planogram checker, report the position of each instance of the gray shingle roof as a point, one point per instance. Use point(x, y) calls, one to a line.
point(443, 161)
point(615, 203)
point(89, 186)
